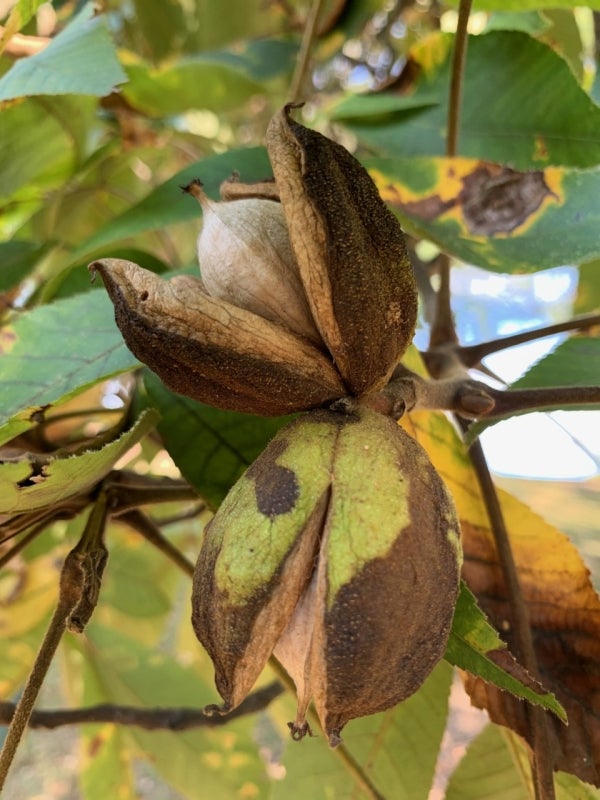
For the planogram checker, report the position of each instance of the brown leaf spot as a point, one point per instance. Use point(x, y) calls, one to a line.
point(429, 207)
point(497, 199)
point(276, 487)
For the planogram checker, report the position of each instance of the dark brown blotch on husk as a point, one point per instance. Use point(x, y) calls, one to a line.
point(389, 626)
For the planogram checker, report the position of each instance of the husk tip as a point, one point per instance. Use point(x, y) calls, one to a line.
point(334, 738)
point(194, 188)
point(299, 730)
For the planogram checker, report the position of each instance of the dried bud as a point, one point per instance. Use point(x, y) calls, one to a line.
point(349, 575)
point(350, 251)
point(213, 351)
point(246, 258)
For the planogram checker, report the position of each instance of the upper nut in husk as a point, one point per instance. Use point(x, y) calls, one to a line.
point(302, 303)
point(246, 258)
point(349, 575)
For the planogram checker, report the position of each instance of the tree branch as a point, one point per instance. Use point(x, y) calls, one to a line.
point(473, 399)
point(310, 33)
point(457, 77)
point(471, 355)
point(173, 719)
point(542, 768)
point(77, 595)
point(443, 329)
point(151, 532)
point(513, 401)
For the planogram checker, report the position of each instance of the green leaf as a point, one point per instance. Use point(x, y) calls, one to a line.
point(167, 204)
point(568, 787)
point(219, 81)
point(160, 23)
point(488, 771)
point(218, 761)
point(396, 750)
point(564, 36)
point(562, 126)
point(139, 581)
point(106, 769)
point(588, 288)
point(531, 22)
point(212, 448)
point(25, 486)
point(492, 216)
point(55, 352)
point(80, 60)
point(496, 767)
point(473, 640)
point(41, 144)
point(17, 258)
point(261, 59)
point(365, 106)
point(470, 624)
point(199, 82)
point(573, 363)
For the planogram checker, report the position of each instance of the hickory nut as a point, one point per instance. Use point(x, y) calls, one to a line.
point(303, 301)
point(348, 575)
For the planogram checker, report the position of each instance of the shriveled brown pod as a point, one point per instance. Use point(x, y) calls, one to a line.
point(213, 351)
point(350, 251)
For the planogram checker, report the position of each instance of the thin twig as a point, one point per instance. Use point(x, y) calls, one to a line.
point(151, 532)
point(56, 628)
point(304, 55)
point(472, 399)
point(513, 401)
point(443, 330)
point(457, 77)
point(173, 719)
point(471, 355)
point(22, 543)
point(75, 603)
point(542, 768)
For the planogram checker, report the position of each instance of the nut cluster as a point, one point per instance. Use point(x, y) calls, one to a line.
point(338, 550)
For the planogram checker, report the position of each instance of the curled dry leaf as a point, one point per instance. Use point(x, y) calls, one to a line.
point(564, 612)
point(349, 576)
point(213, 351)
point(350, 251)
point(564, 608)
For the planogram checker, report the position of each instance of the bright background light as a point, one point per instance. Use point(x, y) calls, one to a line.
point(561, 445)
